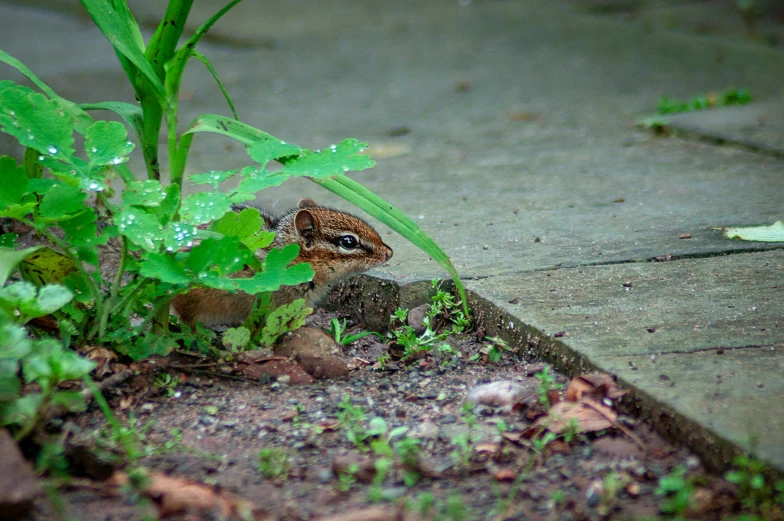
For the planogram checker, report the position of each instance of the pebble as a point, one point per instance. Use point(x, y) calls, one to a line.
point(449, 418)
point(206, 420)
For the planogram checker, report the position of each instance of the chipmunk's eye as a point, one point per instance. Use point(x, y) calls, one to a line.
point(348, 242)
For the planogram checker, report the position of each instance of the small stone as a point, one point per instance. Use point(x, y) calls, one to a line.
point(449, 418)
point(416, 318)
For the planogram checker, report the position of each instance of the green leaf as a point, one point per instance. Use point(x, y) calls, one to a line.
point(276, 273)
point(247, 226)
point(144, 193)
point(204, 207)
point(20, 411)
point(772, 233)
point(62, 202)
point(213, 177)
point(14, 182)
point(140, 228)
point(9, 383)
point(178, 235)
point(81, 231)
point(15, 344)
point(36, 121)
point(265, 151)
point(8, 240)
point(236, 338)
point(50, 298)
point(151, 344)
point(284, 319)
point(256, 179)
point(334, 160)
point(106, 143)
point(218, 257)
point(10, 259)
point(31, 303)
point(165, 269)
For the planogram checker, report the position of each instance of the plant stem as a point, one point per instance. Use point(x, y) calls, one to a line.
point(115, 288)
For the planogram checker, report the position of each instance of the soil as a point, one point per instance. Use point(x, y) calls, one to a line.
point(209, 425)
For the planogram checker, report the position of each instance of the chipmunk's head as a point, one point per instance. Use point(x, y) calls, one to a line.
point(335, 243)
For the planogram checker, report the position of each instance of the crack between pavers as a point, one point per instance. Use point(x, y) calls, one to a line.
point(650, 260)
point(694, 351)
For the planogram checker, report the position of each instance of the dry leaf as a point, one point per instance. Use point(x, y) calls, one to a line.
point(586, 413)
point(178, 495)
point(505, 475)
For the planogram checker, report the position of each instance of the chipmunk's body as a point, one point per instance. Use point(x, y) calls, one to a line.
point(334, 243)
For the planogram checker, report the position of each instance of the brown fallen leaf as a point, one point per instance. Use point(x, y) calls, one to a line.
point(596, 385)
point(588, 419)
point(178, 495)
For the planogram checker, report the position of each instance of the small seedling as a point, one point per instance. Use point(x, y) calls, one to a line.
point(678, 491)
point(338, 330)
point(350, 418)
point(443, 318)
point(166, 384)
point(546, 384)
point(274, 463)
point(755, 492)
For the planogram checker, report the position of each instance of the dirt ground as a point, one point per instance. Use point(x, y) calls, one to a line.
point(205, 425)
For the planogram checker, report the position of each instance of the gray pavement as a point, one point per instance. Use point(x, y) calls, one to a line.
point(518, 154)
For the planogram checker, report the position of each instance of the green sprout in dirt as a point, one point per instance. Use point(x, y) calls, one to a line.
point(668, 106)
point(274, 463)
point(464, 441)
point(545, 385)
point(443, 319)
point(493, 351)
point(756, 493)
point(166, 383)
point(678, 491)
point(338, 330)
point(350, 418)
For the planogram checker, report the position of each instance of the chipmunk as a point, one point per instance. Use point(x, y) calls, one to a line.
point(334, 243)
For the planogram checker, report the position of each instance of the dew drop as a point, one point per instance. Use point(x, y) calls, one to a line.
point(116, 161)
point(41, 158)
point(93, 150)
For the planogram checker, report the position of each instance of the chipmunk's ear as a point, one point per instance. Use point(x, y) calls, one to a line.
point(307, 202)
point(305, 223)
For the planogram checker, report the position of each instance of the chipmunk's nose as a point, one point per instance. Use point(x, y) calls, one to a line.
point(387, 253)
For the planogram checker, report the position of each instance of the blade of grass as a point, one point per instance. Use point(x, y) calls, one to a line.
point(203, 59)
point(132, 114)
point(174, 68)
point(116, 27)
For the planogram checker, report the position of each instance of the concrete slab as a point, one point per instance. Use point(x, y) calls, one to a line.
point(506, 130)
point(756, 126)
point(701, 338)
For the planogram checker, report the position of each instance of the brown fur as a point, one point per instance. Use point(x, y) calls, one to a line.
point(314, 228)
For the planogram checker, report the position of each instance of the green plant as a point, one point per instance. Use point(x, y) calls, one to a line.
point(156, 236)
point(166, 383)
point(463, 442)
point(493, 351)
point(274, 463)
point(668, 106)
point(267, 323)
point(350, 418)
point(348, 478)
point(45, 362)
point(546, 384)
point(443, 318)
point(678, 492)
point(755, 492)
point(337, 330)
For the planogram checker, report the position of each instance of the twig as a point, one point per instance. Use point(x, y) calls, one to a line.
point(617, 425)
